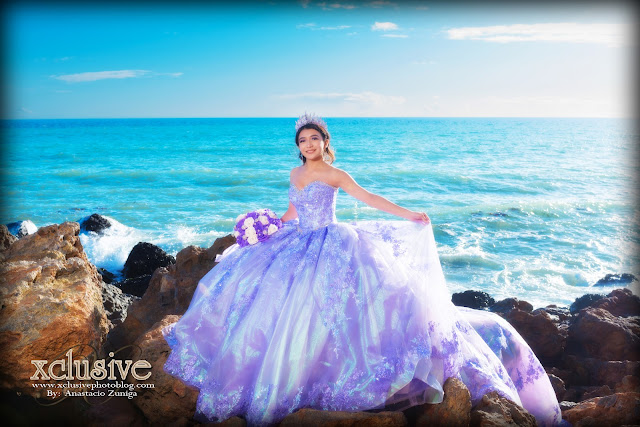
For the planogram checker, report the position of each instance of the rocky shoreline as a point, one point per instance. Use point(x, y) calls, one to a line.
point(53, 298)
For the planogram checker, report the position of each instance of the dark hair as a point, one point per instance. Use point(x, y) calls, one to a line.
point(328, 151)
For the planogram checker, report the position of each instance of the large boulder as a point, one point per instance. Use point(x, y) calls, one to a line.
point(584, 301)
point(95, 222)
point(495, 410)
point(170, 401)
point(51, 301)
point(620, 302)
point(614, 410)
point(586, 371)
point(616, 280)
point(539, 331)
point(599, 334)
point(472, 299)
point(508, 304)
point(170, 291)
point(145, 258)
point(453, 411)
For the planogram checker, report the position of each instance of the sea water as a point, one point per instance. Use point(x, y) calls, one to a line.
point(534, 208)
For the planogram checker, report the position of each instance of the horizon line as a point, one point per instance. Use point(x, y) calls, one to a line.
point(633, 117)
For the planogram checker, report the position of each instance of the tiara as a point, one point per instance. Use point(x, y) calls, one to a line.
point(306, 119)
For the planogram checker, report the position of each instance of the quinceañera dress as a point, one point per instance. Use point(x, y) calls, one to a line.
point(342, 316)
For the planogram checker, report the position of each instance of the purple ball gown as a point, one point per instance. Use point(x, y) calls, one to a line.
point(340, 316)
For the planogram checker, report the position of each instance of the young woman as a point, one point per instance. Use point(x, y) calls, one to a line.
point(341, 316)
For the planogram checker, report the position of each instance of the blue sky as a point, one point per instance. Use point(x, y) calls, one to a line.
point(270, 59)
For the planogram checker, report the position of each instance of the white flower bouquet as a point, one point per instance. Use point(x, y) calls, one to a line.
point(256, 226)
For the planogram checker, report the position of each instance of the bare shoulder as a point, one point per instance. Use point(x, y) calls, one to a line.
point(293, 172)
point(339, 177)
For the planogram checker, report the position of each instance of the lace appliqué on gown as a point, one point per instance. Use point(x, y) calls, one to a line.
point(342, 316)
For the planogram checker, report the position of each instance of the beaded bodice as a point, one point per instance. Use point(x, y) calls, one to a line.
point(315, 204)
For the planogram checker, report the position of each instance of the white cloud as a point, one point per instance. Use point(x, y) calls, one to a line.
point(103, 75)
point(380, 3)
point(25, 110)
point(367, 97)
point(376, 4)
point(611, 34)
point(384, 26)
point(312, 26)
point(330, 6)
point(396, 36)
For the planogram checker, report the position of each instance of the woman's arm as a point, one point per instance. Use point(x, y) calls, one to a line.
point(351, 187)
point(290, 213)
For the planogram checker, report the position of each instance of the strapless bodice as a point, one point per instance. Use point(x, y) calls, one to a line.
point(315, 204)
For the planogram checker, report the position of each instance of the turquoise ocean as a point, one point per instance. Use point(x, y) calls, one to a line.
point(534, 208)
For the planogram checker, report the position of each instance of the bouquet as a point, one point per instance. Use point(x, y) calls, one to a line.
point(256, 226)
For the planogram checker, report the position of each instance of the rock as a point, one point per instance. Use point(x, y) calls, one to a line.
point(620, 302)
point(563, 374)
point(135, 286)
point(170, 290)
point(22, 228)
point(573, 394)
point(539, 331)
point(616, 280)
point(615, 410)
point(509, 304)
point(170, 401)
point(107, 276)
point(115, 412)
point(604, 390)
point(116, 303)
point(628, 383)
point(455, 409)
point(597, 333)
point(94, 222)
point(51, 301)
point(472, 299)
point(145, 258)
point(564, 405)
point(558, 386)
point(495, 410)
point(558, 314)
point(316, 418)
point(23, 410)
point(584, 301)
point(6, 238)
point(586, 371)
